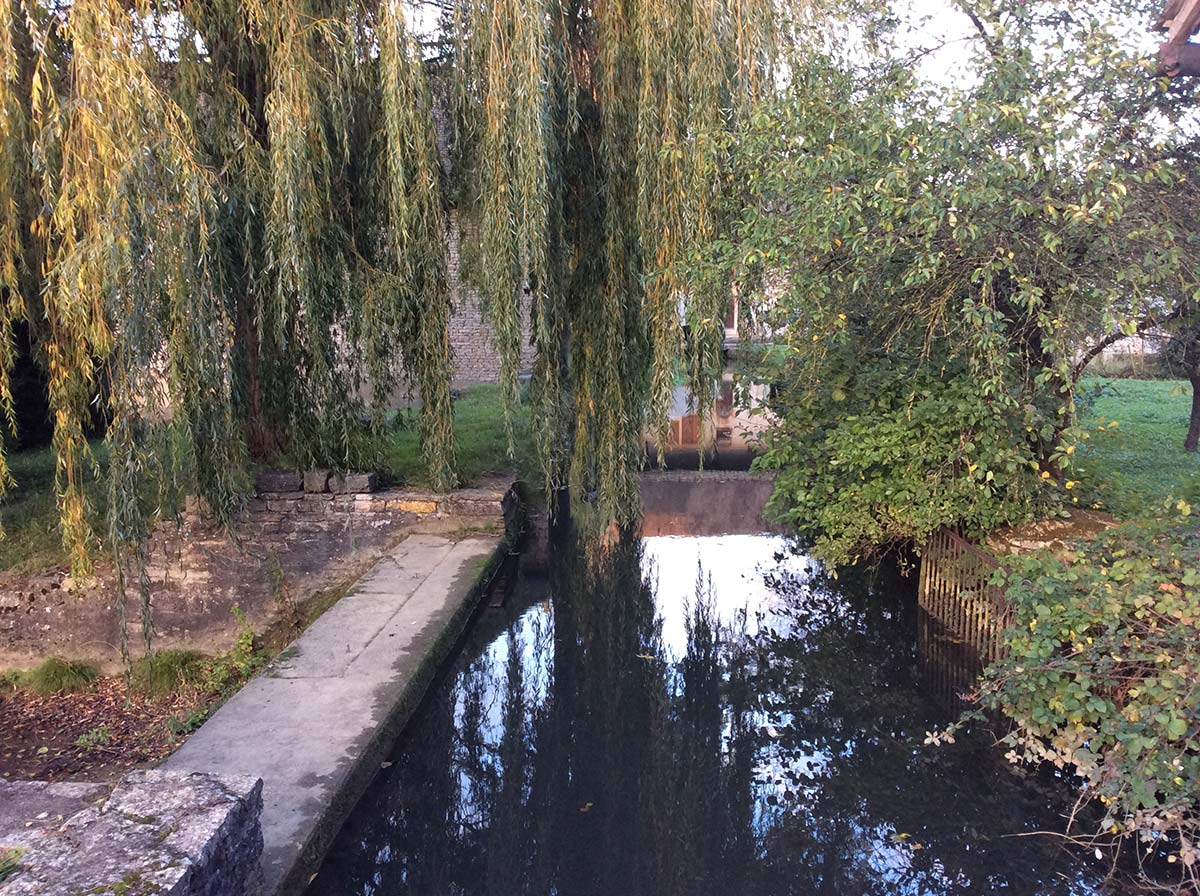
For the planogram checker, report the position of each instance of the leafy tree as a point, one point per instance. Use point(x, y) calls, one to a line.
point(933, 259)
point(225, 223)
point(590, 139)
point(220, 219)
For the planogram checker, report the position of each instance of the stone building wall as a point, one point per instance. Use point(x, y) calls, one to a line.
point(472, 344)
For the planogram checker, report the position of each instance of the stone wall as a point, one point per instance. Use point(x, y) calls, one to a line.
point(288, 546)
point(472, 343)
point(159, 832)
point(271, 509)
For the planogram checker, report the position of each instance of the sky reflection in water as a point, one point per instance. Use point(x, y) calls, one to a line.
point(626, 730)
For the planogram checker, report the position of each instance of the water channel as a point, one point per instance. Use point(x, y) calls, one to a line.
point(702, 711)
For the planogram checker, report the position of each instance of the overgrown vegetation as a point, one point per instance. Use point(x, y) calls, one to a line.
point(890, 449)
point(1100, 679)
point(168, 671)
point(10, 862)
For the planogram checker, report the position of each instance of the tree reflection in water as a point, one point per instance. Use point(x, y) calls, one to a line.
point(774, 748)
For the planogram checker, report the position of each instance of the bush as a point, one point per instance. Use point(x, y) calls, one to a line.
point(1102, 676)
point(889, 450)
point(167, 671)
point(59, 676)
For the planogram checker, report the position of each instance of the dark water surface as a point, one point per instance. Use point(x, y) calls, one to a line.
point(640, 728)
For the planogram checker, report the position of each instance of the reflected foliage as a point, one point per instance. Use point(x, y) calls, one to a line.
point(574, 749)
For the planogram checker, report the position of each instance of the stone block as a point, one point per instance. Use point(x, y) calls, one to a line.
point(161, 832)
point(278, 482)
point(316, 482)
point(354, 483)
point(423, 507)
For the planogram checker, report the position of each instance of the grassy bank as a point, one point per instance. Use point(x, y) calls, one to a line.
point(1133, 462)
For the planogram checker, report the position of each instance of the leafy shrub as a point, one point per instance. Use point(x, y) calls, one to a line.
point(890, 450)
point(239, 664)
point(167, 671)
point(1102, 676)
point(59, 676)
point(95, 737)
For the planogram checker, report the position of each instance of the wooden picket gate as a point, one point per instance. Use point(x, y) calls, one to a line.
point(962, 615)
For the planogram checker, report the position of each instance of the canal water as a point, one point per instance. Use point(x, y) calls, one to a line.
point(698, 714)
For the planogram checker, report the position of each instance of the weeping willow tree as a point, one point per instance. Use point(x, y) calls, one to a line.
point(225, 222)
point(590, 141)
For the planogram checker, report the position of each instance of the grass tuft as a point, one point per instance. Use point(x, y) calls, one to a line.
point(10, 862)
point(58, 676)
point(168, 671)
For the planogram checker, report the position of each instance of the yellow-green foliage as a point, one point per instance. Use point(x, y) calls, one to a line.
point(589, 143)
point(224, 223)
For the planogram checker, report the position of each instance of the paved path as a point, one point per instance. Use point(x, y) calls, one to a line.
point(317, 723)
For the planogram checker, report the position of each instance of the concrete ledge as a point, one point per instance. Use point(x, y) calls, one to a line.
point(319, 721)
point(157, 833)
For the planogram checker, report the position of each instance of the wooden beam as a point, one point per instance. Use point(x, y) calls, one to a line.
point(1184, 20)
point(1179, 60)
point(1169, 12)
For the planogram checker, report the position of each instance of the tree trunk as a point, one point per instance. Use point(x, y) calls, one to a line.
point(264, 439)
point(1192, 442)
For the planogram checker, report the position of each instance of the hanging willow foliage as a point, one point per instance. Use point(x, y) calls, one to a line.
point(223, 221)
point(591, 140)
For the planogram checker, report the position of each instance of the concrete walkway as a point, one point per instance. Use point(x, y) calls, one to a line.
point(317, 723)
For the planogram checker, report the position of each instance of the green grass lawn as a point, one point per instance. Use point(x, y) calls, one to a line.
point(482, 443)
point(32, 542)
point(1133, 468)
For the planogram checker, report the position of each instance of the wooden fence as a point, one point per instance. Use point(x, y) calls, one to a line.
point(962, 615)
